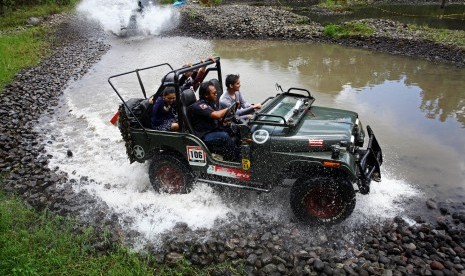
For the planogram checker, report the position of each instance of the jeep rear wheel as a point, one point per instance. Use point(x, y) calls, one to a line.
point(322, 200)
point(170, 174)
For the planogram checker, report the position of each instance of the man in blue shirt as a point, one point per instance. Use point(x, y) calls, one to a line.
point(164, 116)
point(205, 118)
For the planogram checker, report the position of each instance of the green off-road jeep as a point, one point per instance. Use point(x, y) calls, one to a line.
point(290, 138)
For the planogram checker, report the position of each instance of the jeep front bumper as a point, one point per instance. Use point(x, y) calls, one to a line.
point(369, 163)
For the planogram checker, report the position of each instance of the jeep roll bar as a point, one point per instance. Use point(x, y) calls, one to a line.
point(176, 72)
point(140, 84)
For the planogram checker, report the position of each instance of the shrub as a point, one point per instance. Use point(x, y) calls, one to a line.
point(348, 29)
point(211, 2)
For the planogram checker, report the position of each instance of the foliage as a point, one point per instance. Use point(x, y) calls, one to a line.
point(211, 3)
point(456, 37)
point(22, 46)
point(328, 4)
point(302, 21)
point(193, 15)
point(14, 5)
point(348, 29)
point(42, 244)
point(340, 3)
point(165, 2)
point(20, 15)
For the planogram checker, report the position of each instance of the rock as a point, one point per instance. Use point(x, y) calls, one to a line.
point(269, 268)
point(318, 265)
point(252, 259)
point(431, 204)
point(33, 21)
point(173, 258)
point(435, 265)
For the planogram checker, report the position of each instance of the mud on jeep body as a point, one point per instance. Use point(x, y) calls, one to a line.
point(318, 147)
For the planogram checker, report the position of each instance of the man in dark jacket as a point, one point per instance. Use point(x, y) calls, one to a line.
point(205, 118)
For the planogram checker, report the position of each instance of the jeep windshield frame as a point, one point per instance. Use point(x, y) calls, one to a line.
point(286, 109)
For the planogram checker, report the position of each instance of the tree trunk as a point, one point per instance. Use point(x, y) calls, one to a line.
point(443, 4)
point(2, 11)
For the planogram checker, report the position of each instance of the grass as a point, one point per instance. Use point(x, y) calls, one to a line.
point(164, 2)
point(19, 16)
point(445, 36)
point(348, 29)
point(35, 243)
point(24, 46)
point(40, 243)
point(329, 4)
point(20, 50)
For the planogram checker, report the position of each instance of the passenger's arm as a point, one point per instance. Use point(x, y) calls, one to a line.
point(244, 103)
point(198, 78)
point(217, 115)
point(156, 121)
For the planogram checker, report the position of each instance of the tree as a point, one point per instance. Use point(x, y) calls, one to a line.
point(443, 4)
point(2, 11)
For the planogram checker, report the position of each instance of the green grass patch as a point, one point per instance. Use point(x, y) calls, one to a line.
point(329, 4)
point(302, 21)
point(455, 37)
point(20, 15)
point(40, 243)
point(22, 46)
point(211, 3)
point(348, 29)
point(35, 243)
point(164, 2)
point(20, 50)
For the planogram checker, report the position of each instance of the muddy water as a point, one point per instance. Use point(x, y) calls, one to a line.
point(416, 109)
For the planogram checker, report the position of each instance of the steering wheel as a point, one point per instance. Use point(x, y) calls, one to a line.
point(230, 113)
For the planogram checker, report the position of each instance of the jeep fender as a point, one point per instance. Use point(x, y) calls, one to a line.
point(166, 150)
point(306, 168)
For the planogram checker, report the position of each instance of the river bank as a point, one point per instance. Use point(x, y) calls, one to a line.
point(239, 21)
point(260, 245)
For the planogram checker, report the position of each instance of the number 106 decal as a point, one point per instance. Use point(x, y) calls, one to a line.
point(196, 156)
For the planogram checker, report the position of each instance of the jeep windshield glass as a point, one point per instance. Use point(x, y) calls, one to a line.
point(289, 108)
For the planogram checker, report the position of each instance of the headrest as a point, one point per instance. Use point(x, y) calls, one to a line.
point(188, 97)
point(168, 78)
point(217, 85)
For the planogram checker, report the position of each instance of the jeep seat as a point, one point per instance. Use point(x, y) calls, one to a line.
point(141, 108)
point(187, 99)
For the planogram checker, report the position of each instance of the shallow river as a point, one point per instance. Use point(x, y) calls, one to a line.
point(416, 108)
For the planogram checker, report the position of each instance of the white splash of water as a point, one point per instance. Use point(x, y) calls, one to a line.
point(386, 199)
point(115, 15)
point(99, 154)
point(81, 124)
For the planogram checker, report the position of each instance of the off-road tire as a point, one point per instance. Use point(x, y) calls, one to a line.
point(322, 200)
point(169, 174)
point(124, 128)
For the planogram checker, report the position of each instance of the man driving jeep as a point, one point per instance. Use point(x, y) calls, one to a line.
point(206, 120)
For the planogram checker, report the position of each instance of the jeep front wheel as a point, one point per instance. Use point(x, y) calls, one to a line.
point(169, 174)
point(322, 200)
